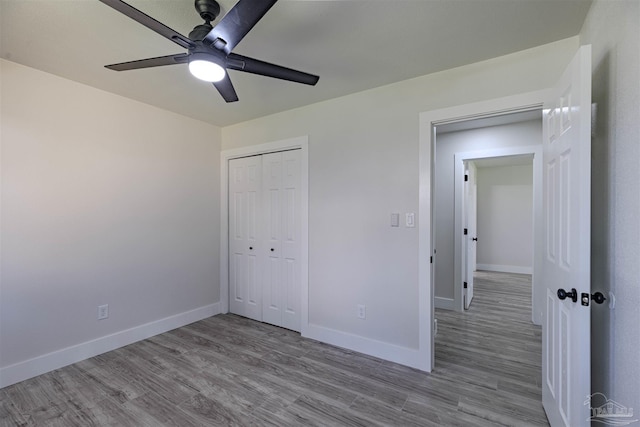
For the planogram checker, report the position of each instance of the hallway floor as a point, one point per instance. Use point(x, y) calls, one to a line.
point(494, 352)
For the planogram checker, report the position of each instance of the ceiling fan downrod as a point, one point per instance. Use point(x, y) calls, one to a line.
point(207, 9)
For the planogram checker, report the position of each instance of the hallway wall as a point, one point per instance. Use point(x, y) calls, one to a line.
point(505, 219)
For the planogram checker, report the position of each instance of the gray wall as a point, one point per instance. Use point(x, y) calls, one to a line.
point(447, 145)
point(505, 219)
point(364, 165)
point(105, 200)
point(613, 29)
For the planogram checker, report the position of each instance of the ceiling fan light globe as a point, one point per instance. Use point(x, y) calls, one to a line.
point(206, 70)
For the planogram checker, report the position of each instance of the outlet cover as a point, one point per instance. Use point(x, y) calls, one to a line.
point(362, 311)
point(103, 311)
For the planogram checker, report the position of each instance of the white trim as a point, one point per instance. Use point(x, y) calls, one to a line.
point(302, 143)
point(403, 355)
point(57, 359)
point(428, 120)
point(444, 303)
point(269, 147)
point(426, 344)
point(505, 268)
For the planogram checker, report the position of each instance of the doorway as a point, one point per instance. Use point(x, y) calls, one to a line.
point(561, 250)
point(426, 238)
point(508, 139)
point(497, 216)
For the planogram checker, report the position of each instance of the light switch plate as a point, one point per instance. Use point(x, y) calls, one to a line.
point(395, 220)
point(411, 219)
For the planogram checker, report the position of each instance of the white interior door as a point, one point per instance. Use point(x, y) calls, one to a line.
point(566, 363)
point(245, 243)
point(470, 214)
point(282, 228)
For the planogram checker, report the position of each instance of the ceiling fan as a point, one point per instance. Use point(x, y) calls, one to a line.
point(209, 48)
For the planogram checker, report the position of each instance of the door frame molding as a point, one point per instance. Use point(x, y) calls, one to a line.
point(426, 144)
point(302, 143)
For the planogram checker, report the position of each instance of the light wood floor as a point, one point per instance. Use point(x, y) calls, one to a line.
point(227, 370)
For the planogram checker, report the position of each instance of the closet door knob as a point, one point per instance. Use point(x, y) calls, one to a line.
point(250, 248)
point(272, 249)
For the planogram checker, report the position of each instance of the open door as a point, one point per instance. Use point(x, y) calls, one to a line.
point(566, 363)
point(470, 235)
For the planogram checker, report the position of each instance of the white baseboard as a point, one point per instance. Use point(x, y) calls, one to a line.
point(505, 268)
point(443, 303)
point(48, 362)
point(394, 353)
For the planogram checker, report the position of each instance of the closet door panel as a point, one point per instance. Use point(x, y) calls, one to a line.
point(245, 289)
point(290, 239)
point(272, 283)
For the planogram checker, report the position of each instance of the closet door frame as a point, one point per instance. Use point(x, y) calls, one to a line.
point(301, 143)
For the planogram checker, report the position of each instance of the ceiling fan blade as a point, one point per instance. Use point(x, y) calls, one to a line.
point(149, 22)
point(180, 58)
point(255, 66)
point(237, 23)
point(225, 87)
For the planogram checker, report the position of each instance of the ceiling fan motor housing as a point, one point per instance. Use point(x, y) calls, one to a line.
point(199, 32)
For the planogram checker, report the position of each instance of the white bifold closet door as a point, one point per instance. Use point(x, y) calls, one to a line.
point(264, 238)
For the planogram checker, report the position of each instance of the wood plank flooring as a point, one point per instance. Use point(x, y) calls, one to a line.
point(227, 370)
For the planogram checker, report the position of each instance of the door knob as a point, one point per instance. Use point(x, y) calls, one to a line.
point(475, 239)
point(573, 294)
point(250, 248)
point(598, 298)
point(272, 249)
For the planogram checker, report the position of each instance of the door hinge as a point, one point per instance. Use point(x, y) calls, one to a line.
point(465, 231)
point(466, 178)
point(431, 260)
point(464, 284)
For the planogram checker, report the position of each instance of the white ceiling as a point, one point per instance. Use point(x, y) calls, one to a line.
point(353, 45)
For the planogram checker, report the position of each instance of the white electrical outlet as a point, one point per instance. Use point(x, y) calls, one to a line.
point(362, 311)
point(103, 311)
